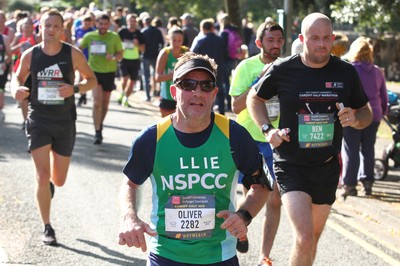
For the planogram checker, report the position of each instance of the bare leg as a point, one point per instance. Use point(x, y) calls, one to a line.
point(271, 222)
point(308, 221)
point(44, 172)
point(97, 107)
point(104, 105)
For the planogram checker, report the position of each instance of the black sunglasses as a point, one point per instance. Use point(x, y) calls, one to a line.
point(191, 85)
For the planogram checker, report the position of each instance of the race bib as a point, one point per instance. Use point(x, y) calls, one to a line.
point(315, 130)
point(273, 108)
point(190, 216)
point(98, 48)
point(48, 93)
point(128, 44)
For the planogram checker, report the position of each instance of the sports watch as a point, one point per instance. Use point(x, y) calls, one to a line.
point(266, 127)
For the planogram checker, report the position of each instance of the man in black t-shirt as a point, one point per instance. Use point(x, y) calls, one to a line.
point(318, 94)
point(133, 42)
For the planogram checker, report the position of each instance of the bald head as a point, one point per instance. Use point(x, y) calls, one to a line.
point(314, 19)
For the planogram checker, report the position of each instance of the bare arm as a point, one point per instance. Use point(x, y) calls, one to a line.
point(132, 227)
point(160, 67)
point(7, 50)
point(255, 199)
point(257, 109)
point(88, 80)
point(118, 55)
point(254, 202)
point(18, 90)
point(258, 112)
point(239, 102)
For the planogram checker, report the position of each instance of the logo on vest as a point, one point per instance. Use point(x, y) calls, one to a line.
point(51, 72)
point(207, 180)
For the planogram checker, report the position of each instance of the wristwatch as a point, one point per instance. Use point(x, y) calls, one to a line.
point(246, 216)
point(266, 127)
point(76, 88)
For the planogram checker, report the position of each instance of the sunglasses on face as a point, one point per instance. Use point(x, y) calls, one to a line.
point(191, 85)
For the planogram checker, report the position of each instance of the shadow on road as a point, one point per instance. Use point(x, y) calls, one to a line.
point(115, 257)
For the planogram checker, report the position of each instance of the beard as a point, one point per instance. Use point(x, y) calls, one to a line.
point(272, 53)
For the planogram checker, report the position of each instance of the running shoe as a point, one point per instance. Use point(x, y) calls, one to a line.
point(121, 97)
point(367, 187)
point(98, 138)
point(49, 236)
point(349, 191)
point(126, 103)
point(242, 246)
point(265, 262)
point(82, 99)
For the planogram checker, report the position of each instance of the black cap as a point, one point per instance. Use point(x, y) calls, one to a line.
point(193, 64)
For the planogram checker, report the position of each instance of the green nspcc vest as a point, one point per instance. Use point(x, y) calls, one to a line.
point(190, 186)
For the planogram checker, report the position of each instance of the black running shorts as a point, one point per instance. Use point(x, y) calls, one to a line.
point(60, 134)
point(319, 181)
point(130, 68)
point(106, 80)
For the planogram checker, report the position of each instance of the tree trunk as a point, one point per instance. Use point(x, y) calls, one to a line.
point(232, 7)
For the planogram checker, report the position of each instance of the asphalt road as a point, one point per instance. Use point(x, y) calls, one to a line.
point(85, 212)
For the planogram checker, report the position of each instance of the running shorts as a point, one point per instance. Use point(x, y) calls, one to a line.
point(319, 181)
point(106, 80)
point(60, 134)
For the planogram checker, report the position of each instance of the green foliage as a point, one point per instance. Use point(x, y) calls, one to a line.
point(368, 16)
point(20, 4)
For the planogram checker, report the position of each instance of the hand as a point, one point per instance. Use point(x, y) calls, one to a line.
point(66, 90)
point(234, 223)
point(346, 116)
point(21, 93)
point(275, 137)
point(132, 233)
point(110, 57)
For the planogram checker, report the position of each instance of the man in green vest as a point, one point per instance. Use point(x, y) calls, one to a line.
point(192, 158)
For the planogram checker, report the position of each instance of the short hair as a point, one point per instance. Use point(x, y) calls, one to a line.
point(87, 18)
point(130, 15)
point(50, 13)
point(103, 16)
point(207, 24)
point(157, 22)
point(268, 26)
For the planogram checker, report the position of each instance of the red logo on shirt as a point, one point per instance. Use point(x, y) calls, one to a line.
point(176, 200)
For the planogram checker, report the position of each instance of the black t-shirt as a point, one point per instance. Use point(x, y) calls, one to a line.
point(126, 34)
point(309, 95)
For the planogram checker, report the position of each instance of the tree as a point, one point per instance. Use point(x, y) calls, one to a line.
point(368, 16)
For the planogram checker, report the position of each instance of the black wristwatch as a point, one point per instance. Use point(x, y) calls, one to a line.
point(266, 127)
point(246, 216)
point(76, 88)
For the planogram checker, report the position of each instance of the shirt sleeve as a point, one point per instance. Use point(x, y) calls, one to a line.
point(245, 151)
point(141, 157)
point(240, 80)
